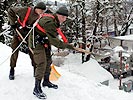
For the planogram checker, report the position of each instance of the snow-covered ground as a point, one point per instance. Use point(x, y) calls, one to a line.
point(77, 82)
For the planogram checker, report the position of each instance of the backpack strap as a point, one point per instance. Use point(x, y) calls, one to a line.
point(40, 28)
point(23, 24)
point(62, 35)
point(58, 29)
point(48, 15)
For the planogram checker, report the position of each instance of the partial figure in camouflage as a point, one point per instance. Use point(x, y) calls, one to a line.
point(17, 15)
point(46, 33)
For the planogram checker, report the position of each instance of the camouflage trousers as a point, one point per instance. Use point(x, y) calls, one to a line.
point(43, 60)
point(13, 60)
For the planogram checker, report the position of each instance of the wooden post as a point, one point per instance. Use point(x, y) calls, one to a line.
point(120, 78)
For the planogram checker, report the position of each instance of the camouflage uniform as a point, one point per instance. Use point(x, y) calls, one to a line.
point(41, 45)
point(21, 12)
point(50, 25)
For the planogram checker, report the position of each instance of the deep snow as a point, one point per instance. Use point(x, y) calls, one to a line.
point(77, 82)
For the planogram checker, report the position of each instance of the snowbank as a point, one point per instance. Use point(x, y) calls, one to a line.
point(91, 69)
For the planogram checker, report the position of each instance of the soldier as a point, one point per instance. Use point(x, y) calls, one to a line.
point(21, 19)
point(45, 35)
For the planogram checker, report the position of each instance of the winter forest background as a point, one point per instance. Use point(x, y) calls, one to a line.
point(95, 25)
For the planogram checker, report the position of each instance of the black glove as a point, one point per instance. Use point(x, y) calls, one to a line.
point(14, 26)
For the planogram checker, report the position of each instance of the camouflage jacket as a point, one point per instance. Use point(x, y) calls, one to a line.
point(50, 25)
point(21, 13)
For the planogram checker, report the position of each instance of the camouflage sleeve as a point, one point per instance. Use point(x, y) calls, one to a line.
point(12, 16)
point(13, 12)
point(58, 43)
point(50, 26)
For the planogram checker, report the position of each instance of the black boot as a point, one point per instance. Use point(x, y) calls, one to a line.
point(11, 74)
point(38, 91)
point(49, 85)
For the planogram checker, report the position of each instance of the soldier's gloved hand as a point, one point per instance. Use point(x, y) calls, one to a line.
point(14, 26)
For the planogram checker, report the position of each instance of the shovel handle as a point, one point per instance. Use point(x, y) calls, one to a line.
point(82, 50)
point(20, 35)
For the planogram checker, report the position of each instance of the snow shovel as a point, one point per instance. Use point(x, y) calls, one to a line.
point(54, 75)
